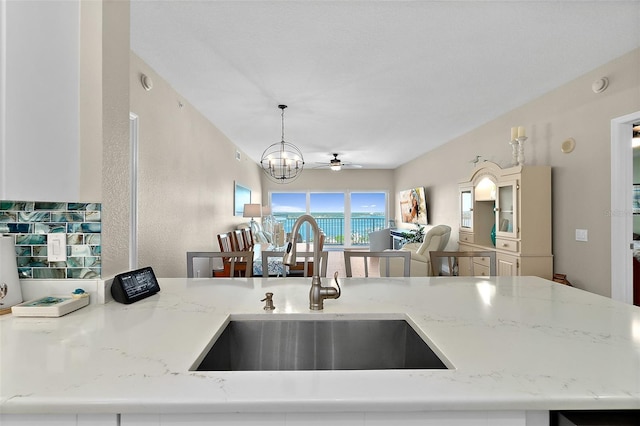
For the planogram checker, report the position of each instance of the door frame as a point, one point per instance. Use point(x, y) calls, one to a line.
point(134, 127)
point(621, 213)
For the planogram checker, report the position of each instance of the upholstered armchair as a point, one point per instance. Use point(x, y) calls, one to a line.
point(435, 239)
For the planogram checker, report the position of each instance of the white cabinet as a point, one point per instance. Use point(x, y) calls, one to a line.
point(88, 419)
point(466, 208)
point(450, 418)
point(509, 211)
point(506, 217)
point(506, 265)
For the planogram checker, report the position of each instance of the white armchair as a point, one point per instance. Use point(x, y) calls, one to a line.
point(435, 239)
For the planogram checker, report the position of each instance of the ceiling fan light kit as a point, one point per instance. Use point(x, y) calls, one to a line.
point(282, 161)
point(336, 164)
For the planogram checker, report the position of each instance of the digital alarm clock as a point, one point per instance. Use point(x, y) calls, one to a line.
point(136, 285)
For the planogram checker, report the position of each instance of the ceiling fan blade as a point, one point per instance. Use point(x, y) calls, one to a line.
point(335, 161)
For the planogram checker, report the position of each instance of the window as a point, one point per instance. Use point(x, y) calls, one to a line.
point(346, 218)
point(287, 207)
point(367, 215)
point(328, 210)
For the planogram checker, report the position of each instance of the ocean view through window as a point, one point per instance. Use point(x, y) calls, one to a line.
point(346, 218)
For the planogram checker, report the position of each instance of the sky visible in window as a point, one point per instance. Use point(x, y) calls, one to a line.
point(327, 202)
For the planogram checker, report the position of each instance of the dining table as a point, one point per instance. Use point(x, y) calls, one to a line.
point(273, 254)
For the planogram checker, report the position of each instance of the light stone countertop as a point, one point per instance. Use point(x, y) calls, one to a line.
point(519, 343)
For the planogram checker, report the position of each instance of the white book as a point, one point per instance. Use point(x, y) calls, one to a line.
point(50, 306)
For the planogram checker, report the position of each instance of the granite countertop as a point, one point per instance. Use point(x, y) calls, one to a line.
point(519, 343)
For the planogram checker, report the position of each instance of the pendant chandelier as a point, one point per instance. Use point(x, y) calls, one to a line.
point(282, 162)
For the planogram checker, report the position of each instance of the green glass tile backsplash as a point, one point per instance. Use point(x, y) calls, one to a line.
point(30, 222)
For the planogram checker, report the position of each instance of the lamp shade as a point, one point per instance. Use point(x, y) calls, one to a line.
point(252, 210)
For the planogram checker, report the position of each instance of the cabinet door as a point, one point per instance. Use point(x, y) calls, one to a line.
point(507, 266)
point(59, 419)
point(507, 209)
point(466, 208)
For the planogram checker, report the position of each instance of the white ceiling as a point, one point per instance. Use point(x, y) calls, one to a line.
point(379, 82)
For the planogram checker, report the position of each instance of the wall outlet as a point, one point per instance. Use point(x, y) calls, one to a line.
point(56, 247)
point(582, 235)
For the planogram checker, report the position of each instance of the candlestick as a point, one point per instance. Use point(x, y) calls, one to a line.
point(514, 133)
point(514, 150)
point(521, 133)
point(521, 150)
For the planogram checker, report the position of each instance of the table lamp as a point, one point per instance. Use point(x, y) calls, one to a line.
point(252, 210)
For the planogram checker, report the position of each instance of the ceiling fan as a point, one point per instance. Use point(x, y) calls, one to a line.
point(337, 164)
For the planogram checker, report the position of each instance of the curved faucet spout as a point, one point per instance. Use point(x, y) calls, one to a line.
point(317, 294)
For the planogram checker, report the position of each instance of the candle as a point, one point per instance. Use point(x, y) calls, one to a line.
point(514, 133)
point(521, 132)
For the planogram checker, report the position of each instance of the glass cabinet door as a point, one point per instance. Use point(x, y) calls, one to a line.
point(466, 209)
point(506, 209)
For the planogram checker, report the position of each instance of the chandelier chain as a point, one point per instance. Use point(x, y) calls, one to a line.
point(282, 116)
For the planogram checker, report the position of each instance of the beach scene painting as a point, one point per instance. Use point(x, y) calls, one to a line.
point(413, 206)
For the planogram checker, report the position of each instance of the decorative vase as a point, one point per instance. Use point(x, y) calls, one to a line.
point(493, 234)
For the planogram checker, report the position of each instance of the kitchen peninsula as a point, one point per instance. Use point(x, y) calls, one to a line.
point(516, 348)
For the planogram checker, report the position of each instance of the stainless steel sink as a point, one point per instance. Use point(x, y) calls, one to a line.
point(264, 345)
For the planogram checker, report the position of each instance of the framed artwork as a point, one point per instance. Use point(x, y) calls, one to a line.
point(241, 196)
point(413, 206)
point(636, 198)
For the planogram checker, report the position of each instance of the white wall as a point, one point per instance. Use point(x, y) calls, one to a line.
point(186, 175)
point(581, 180)
point(39, 152)
point(113, 122)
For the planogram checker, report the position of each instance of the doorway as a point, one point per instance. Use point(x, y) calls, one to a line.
point(621, 212)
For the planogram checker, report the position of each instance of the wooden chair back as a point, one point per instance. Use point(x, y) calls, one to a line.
point(475, 263)
point(225, 241)
point(241, 262)
point(383, 256)
point(240, 241)
point(248, 238)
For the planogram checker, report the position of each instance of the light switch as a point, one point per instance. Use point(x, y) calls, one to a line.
point(582, 235)
point(57, 247)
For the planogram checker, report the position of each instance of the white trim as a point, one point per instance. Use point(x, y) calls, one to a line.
point(347, 223)
point(3, 99)
point(133, 172)
point(621, 214)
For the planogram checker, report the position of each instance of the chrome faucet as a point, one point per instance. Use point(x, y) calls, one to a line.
point(317, 294)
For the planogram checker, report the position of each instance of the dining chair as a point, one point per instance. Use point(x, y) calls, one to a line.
point(464, 263)
point(225, 242)
point(220, 264)
point(306, 267)
point(248, 238)
point(381, 256)
point(239, 240)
